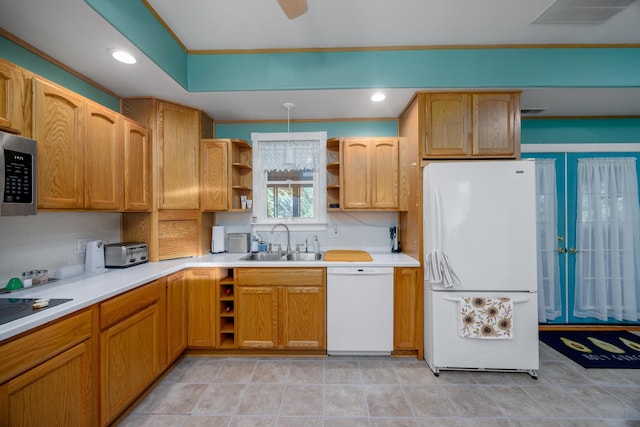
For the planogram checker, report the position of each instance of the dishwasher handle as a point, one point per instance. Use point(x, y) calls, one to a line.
point(359, 271)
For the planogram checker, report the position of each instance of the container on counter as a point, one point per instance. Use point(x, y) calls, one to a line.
point(27, 281)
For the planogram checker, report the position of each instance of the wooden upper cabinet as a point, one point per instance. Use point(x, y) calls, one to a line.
point(355, 174)
point(468, 125)
point(11, 97)
point(216, 174)
point(384, 173)
point(178, 157)
point(103, 159)
point(137, 167)
point(226, 174)
point(448, 125)
point(59, 128)
point(369, 173)
point(496, 124)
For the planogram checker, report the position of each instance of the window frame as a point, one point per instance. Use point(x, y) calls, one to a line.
point(260, 221)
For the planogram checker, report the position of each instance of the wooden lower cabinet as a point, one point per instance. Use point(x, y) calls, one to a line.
point(302, 316)
point(132, 346)
point(257, 316)
point(281, 308)
point(177, 294)
point(51, 383)
point(200, 301)
point(56, 393)
point(407, 311)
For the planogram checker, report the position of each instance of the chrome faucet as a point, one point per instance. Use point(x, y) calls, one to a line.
point(288, 235)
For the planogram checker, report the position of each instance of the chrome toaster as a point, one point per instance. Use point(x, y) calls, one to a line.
point(125, 254)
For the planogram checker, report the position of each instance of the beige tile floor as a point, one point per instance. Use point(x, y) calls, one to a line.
point(379, 392)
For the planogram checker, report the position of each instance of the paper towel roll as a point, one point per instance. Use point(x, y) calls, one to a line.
point(217, 239)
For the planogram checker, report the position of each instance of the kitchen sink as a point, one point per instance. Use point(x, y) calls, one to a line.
point(263, 256)
point(276, 256)
point(304, 256)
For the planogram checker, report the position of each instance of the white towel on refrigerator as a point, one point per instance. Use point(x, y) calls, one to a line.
point(485, 317)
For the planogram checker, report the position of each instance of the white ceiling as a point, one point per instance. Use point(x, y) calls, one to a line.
point(74, 34)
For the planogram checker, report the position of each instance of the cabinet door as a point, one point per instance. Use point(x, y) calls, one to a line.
point(179, 165)
point(355, 174)
point(496, 124)
point(11, 97)
point(201, 303)
point(257, 316)
point(58, 392)
point(137, 167)
point(447, 125)
point(59, 128)
point(302, 317)
point(215, 175)
point(384, 173)
point(103, 159)
point(176, 315)
point(130, 359)
point(407, 310)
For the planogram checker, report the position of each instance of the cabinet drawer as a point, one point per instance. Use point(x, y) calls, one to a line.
point(118, 308)
point(284, 276)
point(34, 348)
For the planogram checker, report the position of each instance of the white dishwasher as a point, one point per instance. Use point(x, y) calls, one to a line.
point(359, 310)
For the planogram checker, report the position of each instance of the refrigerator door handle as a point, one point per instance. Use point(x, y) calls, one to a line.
point(514, 300)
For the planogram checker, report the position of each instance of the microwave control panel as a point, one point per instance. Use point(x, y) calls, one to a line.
point(18, 177)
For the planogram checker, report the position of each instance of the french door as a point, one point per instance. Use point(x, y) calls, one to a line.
point(566, 164)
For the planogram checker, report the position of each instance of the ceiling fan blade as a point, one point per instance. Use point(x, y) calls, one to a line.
point(293, 8)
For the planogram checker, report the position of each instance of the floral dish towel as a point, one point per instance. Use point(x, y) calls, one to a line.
point(486, 318)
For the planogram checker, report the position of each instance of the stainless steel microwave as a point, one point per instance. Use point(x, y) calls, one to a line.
point(18, 192)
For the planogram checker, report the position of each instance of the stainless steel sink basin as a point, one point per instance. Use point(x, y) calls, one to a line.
point(304, 256)
point(275, 256)
point(264, 256)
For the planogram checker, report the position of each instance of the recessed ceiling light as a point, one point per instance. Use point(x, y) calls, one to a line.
point(122, 56)
point(377, 97)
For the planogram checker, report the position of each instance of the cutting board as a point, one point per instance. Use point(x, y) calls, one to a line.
point(346, 255)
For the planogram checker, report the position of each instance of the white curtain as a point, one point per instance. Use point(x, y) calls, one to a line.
point(288, 155)
point(549, 300)
point(607, 240)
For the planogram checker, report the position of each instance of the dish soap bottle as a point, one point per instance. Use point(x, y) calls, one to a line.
point(316, 244)
point(255, 242)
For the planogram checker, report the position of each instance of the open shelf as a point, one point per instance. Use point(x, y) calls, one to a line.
point(226, 311)
point(333, 173)
point(241, 173)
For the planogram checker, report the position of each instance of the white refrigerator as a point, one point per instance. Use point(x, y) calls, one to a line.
point(480, 282)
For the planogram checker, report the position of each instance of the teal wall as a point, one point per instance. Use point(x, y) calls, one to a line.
point(584, 131)
point(534, 131)
point(333, 129)
point(435, 68)
point(36, 64)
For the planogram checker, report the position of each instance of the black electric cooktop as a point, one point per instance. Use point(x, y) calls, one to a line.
point(15, 308)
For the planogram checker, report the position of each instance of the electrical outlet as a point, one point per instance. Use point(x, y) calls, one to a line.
point(81, 246)
point(333, 231)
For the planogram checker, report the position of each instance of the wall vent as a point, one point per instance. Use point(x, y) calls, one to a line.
point(581, 11)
